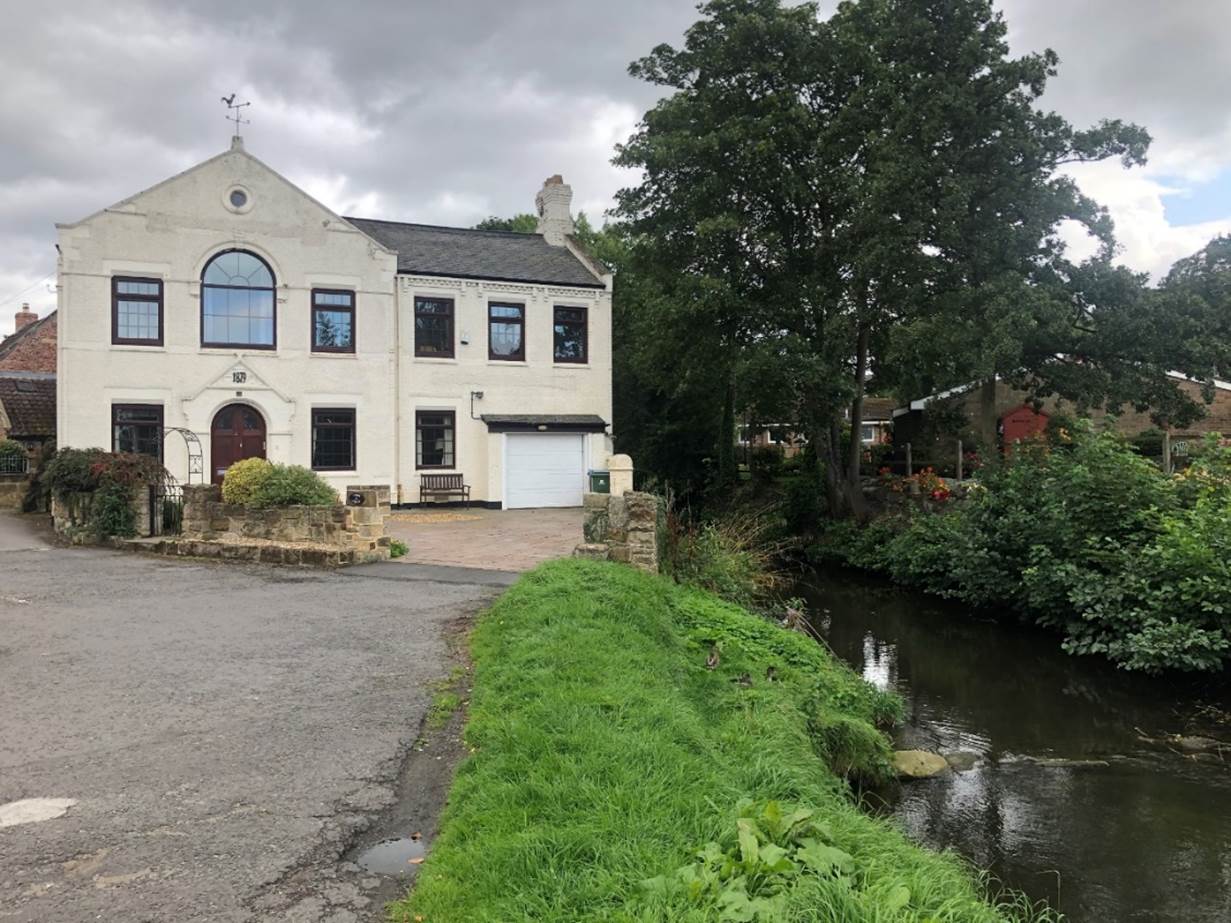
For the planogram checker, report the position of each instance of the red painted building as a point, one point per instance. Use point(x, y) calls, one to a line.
point(1021, 423)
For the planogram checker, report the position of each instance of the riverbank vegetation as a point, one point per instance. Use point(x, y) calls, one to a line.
point(1081, 535)
point(737, 555)
point(643, 751)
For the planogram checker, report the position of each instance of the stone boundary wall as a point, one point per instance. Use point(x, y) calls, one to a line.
point(631, 529)
point(358, 526)
point(71, 515)
point(13, 490)
point(271, 553)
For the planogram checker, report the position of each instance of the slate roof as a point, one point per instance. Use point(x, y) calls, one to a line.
point(559, 422)
point(878, 408)
point(500, 256)
point(10, 342)
point(30, 403)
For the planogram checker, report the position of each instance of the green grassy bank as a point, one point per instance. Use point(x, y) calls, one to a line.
point(615, 776)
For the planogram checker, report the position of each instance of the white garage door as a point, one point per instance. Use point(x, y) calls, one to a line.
point(544, 469)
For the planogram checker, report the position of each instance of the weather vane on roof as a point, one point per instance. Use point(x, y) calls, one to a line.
point(233, 112)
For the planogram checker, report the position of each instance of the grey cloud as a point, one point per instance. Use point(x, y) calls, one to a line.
point(410, 105)
point(1165, 65)
point(446, 111)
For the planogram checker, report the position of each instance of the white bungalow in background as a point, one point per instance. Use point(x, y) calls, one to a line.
point(226, 308)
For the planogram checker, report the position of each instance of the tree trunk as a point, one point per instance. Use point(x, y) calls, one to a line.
point(835, 483)
point(727, 473)
point(987, 418)
point(855, 449)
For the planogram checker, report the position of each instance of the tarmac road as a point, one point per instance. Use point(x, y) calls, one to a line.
point(224, 731)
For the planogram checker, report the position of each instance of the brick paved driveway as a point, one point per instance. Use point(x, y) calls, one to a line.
point(511, 540)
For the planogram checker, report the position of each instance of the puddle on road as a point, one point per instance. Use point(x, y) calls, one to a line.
point(392, 856)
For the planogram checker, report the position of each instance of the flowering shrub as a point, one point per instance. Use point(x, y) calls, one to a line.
point(98, 487)
point(72, 471)
point(932, 484)
point(927, 482)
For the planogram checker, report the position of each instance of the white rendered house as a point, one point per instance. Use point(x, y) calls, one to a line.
point(226, 304)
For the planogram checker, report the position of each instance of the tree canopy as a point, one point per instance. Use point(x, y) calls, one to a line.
point(523, 223)
point(872, 197)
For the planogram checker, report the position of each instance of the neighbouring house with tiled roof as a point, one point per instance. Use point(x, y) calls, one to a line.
point(28, 407)
point(31, 347)
point(932, 424)
point(875, 429)
point(226, 308)
point(28, 380)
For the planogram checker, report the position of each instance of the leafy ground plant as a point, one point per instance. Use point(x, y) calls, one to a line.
point(750, 878)
point(625, 729)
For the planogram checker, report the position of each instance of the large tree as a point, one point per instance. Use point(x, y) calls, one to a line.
point(524, 223)
point(832, 195)
point(1195, 297)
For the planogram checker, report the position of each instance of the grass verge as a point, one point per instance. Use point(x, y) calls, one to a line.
point(618, 774)
point(446, 699)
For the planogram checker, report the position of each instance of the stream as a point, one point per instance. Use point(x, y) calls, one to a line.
point(1064, 800)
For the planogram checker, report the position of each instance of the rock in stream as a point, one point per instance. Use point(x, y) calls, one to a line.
point(918, 764)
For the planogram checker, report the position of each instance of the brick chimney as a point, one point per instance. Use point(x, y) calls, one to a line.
point(553, 204)
point(24, 318)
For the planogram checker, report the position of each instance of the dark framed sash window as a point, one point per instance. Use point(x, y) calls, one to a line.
point(434, 328)
point(435, 439)
point(333, 321)
point(333, 439)
point(506, 332)
point(570, 334)
point(136, 311)
point(137, 428)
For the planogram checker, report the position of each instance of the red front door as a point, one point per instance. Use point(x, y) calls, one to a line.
point(238, 432)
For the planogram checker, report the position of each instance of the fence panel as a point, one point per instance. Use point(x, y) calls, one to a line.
point(14, 464)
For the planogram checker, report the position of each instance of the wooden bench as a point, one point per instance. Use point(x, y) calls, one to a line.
point(443, 485)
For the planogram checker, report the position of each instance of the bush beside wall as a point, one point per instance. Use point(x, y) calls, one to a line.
point(97, 494)
point(259, 484)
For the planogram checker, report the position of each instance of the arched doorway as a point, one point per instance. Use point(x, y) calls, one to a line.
point(238, 432)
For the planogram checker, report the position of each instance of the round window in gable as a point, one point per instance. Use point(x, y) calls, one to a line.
point(237, 199)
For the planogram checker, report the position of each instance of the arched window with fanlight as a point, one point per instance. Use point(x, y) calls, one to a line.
point(237, 301)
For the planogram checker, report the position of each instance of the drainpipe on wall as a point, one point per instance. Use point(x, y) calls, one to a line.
point(397, 390)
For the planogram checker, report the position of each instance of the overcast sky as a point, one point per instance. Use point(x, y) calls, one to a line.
point(447, 112)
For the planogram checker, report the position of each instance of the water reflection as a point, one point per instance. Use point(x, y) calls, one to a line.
point(1064, 800)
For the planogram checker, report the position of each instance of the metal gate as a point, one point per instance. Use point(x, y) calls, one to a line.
point(166, 507)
